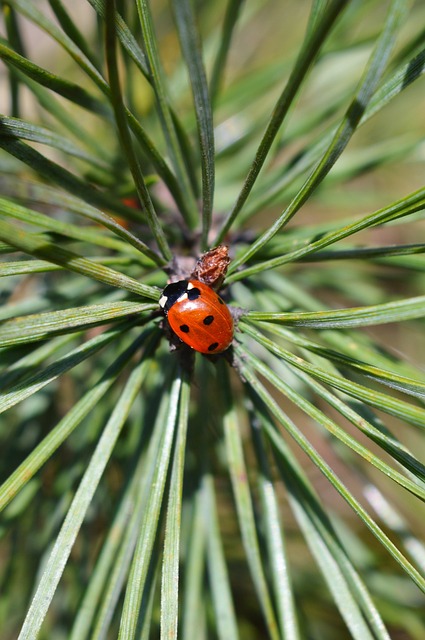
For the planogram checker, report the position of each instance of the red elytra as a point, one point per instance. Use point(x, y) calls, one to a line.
point(198, 316)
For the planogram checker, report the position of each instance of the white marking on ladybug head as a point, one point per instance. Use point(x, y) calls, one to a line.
point(183, 296)
point(190, 285)
point(163, 301)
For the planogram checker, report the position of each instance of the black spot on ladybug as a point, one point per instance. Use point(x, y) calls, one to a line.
point(184, 328)
point(213, 346)
point(208, 319)
point(193, 294)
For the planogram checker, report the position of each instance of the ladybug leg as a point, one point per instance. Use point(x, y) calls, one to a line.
point(174, 341)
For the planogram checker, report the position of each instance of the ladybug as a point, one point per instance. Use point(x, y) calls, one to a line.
point(198, 316)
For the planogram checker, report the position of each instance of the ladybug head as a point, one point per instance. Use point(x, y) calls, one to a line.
point(177, 291)
point(172, 293)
